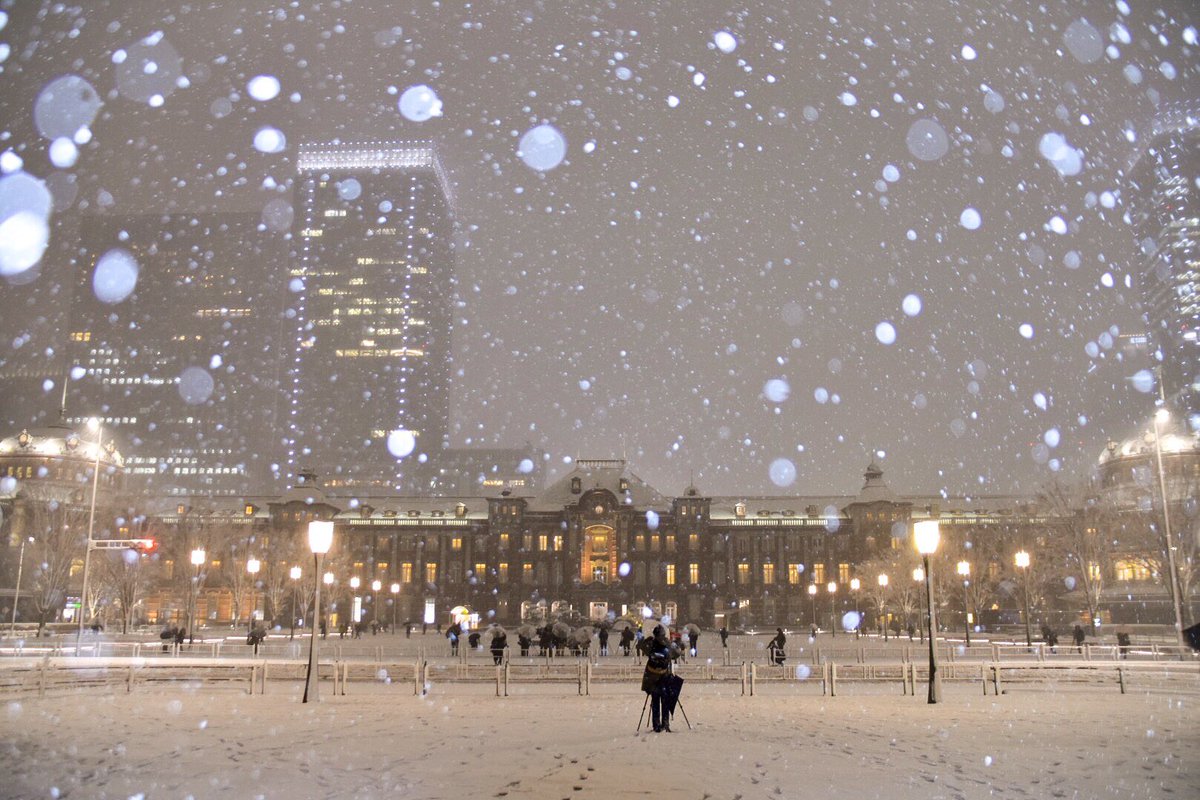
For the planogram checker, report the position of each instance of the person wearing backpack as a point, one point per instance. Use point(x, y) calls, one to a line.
point(659, 655)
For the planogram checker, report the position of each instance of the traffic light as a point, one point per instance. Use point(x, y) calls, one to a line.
point(145, 547)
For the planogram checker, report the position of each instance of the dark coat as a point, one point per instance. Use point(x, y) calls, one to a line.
point(659, 655)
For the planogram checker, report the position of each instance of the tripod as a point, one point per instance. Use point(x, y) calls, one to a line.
point(677, 702)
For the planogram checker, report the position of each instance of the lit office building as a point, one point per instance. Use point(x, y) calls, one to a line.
point(370, 290)
point(1165, 208)
point(174, 325)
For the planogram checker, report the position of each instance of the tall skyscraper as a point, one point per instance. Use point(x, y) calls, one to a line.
point(371, 285)
point(1165, 210)
point(174, 326)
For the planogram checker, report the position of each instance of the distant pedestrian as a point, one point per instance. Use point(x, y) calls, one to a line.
point(1077, 637)
point(693, 641)
point(324, 628)
point(473, 640)
point(604, 641)
point(180, 635)
point(408, 630)
point(724, 634)
point(1123, 643)
point(499, 643)
point(525, 643)
point(168, 637)
point(626, 640)
point(776, 647)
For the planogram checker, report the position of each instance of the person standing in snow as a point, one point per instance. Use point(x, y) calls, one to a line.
point(659, 655)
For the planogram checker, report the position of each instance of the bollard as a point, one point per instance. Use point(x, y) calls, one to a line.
point(499, 679)
point(264, 677)
point(506, 677)
point(996, 679)
point(1121, 677)
point(832, 679)
point(753, 676)
point(983, 677)
point(253, 677)
point(744, 673)
point(129, 680)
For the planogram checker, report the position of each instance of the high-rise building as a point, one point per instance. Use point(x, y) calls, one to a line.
point(174, 329)
point(371, 283)
point(1165, 210)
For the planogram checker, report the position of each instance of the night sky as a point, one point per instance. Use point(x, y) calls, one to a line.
point(701, 284)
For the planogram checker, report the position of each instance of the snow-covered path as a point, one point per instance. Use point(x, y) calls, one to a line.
point(382, 742)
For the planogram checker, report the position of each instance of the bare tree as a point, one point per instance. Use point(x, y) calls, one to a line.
point(125, 576)
point(1078, 541)
point(59, 531)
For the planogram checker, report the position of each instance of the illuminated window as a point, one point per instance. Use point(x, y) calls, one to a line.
point(558, 544)
point(1094, 571)
point(655, 543)
point(768, 570)
point(694, 541)
point(504, 541)
point(843, 573)
point(639, 542)
point(543, 542)
point(527, 573)
point(794, 574)
point(431, 573)
point(456, 543)
point(406, 572)
point(1132, 571)
point(693, 573)
point(670, 543)
point(527, 542)
point(480, 570)
point(743, 574)
point(670, 574)
point(818, 573)
point(503, 571)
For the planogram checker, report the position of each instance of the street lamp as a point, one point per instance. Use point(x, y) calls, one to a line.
point(1021, 559)
point(927, 536)
point(12, 629)
point(812, 596)
point(327, 579)
point(95, 425)
point(883, 584)
point(320, 539)
point(855, 585)
point(832, 587)
point(376, 585)
point(1162, 415)
point(355, 582)
point(252, 566)
point(964, 570)
point(919, 577)
point(295, 574)
point(395, 602)
point(198, 559)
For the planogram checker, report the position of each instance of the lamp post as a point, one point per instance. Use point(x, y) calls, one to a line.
point(1162, 415)
point(198, 559)
point(295, 574)
point(919, 577)
point(327, 579)
point(855, 585)
point(1021, 559)
point(320, 539)
point(355, 582)
point(12, 629)
point(252, 566)
point(376, 585)
point(832, 587)
point(812, 596)
point(883, 584)
point(95, 425)
point(964, 571)
point(395, 602)
point(927, 536)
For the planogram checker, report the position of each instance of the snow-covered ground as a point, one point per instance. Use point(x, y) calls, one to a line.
point(546, 742)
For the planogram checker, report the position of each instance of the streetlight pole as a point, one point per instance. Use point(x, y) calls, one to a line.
point(252, 566)
point(812, 596)
point(376, 585)
point(327, 579)
point(198, 559)
point(964, 570)
point(355, 582)
point(294, 573)
point(12, 629)
point(883, 583)
point(919, 577)
point(87, 553)
point(1162, 415)
point(395, 602)
point(832, 587)
point(1021, 559)
point(855, 583)
point(927, 536)
point(320, 539)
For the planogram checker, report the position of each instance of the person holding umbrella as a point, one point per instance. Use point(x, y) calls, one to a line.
point(693, 635)
point(656, 679)
point(499, 643)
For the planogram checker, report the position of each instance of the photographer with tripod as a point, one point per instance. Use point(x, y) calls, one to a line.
point(660, 686)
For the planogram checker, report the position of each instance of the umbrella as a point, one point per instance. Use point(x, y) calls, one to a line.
point(497, 630)
point(583, 635)
point(621, 624)
point(561, 630)
point(693, 628)
point(527, 630)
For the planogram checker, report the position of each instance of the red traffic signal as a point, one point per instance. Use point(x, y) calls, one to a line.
point(145, 546)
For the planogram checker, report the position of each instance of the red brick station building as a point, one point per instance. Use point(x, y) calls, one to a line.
point(599, 541)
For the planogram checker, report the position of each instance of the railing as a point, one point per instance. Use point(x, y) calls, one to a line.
point(47, 674)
